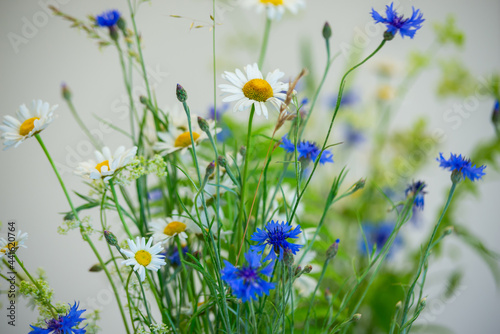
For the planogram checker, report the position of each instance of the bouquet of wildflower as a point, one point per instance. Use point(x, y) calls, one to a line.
point(250, 222)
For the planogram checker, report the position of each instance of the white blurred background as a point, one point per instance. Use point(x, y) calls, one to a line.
point(46, 52)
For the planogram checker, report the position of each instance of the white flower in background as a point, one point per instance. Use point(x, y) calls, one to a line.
point(6, 246)
point(276, 8)
point(283, 202)
point(143, 256)
point(106, 164)
point(166, 228)
point(178, 138)
point(253, 89)
point(28, 123)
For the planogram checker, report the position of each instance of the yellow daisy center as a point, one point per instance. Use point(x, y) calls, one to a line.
point(272, 2)
point(143, 257)
point(9, 246)
point(184, 139)
point(258, 90)
point(174, 227)
point(27, 126)
point(104, 163)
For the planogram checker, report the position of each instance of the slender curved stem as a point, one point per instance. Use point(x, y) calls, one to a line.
point(265, 41)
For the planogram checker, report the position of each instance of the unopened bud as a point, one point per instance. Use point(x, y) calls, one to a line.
point(243, 151)
point(449, 230)
point(423, 302)
point(307, 269)
point(122, 25)
point(288, 257)
point(203, 124)
point(298, 271)
point(113, 33)
point(327, 31)
point(456, 176)
point(95, 268)
point(356, 317)
point(110, 238)
point(359, 185)
point(222, 161)
point(332, 250)
point(66, 93)
point(210, 169)
point(144, 100)
point(388, 36)
point(181, 93)
point(398, 305)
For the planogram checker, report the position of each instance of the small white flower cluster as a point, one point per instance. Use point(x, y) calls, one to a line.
point(157, 328)
point(71, 224)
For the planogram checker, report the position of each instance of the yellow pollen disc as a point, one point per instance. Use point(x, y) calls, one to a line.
point(143, 257)
point(272, 2)
point(27, 126)
point(174, 228)
point(104, 163)
point(258, 90)
point(184, 139)
point(9, 246)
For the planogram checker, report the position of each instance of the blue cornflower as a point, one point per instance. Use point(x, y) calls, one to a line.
point(276, 236)
point(155, 195)
point(350, 97)
point(406, 27)
point(173, 256)
point(246, 282)
point(63, 324)
point(353, 136)
point(108, 18)
point(378, 235)
point(307, 150)
point(417, 189)
point(461, 166)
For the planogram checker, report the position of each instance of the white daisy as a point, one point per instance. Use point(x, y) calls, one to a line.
point(276, 8)
point(166, 228)
point(28, 123)
point(106, 164)
point(143, 256)
point(7, 246)
point(253, 89)
point(178, 137)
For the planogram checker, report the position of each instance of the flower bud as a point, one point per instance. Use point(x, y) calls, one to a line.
point(95, 268)
point(388, 36)
point(449, 230)
point(332, 250)
point(113, 33)
point(66, 93)
point(122, 25)
point(144, 100)
point(327, 31)
point(298, 271)
point(243, 150)
point(181, 93)
point(288, 257)
point(210, 169)
point(456, 176)
point(203, 124)
point(110, 238)
point(222, 161)
point(356, 317)
point(307, 269)
point(423, 302)
point(359, 185)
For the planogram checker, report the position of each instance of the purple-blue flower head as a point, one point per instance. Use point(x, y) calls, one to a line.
point(276, 235)
point(307, 150)
point(461, 166)
point(247, 282)
point(378, 235)
point(417, 189)
point(67, 324)
point(172, 254)
point(394, 22)
point(108, 18)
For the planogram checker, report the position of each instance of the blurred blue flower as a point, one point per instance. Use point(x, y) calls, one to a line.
point(378, 235)
point(307, 150)
point(220, 111)
point(63, 324)
point(247, 282)
point(461, 166)
point(394, 23)
point(353, 136)
point(417, 189)
point(108, 18)
point(276, 236)
point(155, 195)
point(349, 98)
point(172, 254)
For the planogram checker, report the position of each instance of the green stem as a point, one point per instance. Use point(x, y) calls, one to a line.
point(118, 209)
point(96, 143)
point(265, 41)
point(339, 98)
point(409, 295)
